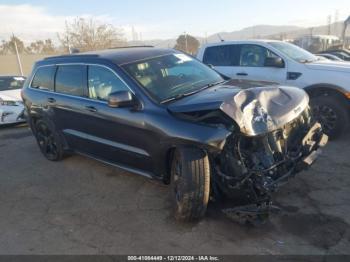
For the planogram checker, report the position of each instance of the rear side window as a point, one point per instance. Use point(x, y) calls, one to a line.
point(224, 55)
point(70, 80)
point(43, 78)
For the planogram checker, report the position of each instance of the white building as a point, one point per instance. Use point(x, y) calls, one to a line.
point(317, 43)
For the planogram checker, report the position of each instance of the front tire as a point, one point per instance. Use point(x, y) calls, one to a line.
point(190, 183)
point(331, 113)
point(48, 140)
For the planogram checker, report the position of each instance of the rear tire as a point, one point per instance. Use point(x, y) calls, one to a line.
point(48, 140)
point(332, 115)
point(190, 183)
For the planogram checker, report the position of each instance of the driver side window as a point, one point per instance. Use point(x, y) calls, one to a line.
point(254, 56)
point(102, 82)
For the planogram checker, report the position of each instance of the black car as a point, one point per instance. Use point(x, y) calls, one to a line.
point(343, 54)
point(329, 57)
point(164, 115)
point(11, 82)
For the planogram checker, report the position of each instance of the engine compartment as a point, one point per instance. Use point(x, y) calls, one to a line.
point(251, 168)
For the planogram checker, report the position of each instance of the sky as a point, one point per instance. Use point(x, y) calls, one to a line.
point(163, 19)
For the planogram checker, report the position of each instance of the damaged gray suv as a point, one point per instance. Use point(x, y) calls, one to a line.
point(164, 115)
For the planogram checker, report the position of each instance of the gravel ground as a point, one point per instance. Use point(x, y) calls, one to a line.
point(80, 206)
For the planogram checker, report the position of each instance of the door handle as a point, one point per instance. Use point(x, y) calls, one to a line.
point(242, 74)
point(51, 100)
point(91, 109)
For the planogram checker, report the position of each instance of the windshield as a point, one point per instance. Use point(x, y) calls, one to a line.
point(11, 83)
point(171, 76)
point(294, 52)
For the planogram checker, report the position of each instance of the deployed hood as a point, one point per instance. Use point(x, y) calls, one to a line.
point(256, 110)
point(11, 95)
point(329, 66)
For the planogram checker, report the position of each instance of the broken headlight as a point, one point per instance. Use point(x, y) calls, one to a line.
point(9, 103)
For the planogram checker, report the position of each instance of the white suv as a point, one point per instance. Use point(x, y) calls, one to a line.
point(326, 82)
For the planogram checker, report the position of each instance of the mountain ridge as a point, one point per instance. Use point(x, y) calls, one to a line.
point(256, 31)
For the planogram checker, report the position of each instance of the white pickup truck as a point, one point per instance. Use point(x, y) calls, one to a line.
point(326, 82)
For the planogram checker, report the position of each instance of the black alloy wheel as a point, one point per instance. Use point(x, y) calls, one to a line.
point(49, 143)
point(332, 114)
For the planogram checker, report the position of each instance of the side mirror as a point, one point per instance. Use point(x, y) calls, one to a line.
point(274, 62)
point(121, 99)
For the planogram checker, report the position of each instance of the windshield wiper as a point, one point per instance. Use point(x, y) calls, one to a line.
point(179, 96)
point(214, 84)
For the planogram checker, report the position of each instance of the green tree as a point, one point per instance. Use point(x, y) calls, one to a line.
point(8, 47)
point(41, 47)
point(187, 43)
point(88, 34)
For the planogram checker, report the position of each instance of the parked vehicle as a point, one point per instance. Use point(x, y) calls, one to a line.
point(342, 54)
point(326, 82)
point(330, 57)
point(164, 115)
point(317, 43)
point(11, 105)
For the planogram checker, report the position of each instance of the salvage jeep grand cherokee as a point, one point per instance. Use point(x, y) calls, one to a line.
point(164, 115)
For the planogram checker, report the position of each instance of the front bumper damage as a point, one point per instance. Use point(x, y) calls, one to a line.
point(249, 172)
point(11, 113)
point(271, 137)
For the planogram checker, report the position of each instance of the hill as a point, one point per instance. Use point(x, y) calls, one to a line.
point(258, 31)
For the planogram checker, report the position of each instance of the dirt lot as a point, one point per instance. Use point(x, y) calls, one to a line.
point(80, 206)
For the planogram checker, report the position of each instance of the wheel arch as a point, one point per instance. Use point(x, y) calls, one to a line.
point(335, 97)
point(169, 157)
point(323, 89)
point(33, 119)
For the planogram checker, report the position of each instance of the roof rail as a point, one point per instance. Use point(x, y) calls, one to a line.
point(131, 46)
point(82, 55)
point(71, 55)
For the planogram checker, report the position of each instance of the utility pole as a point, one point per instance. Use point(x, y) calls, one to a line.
point(17, 55)
point(134, 34)
point(329, 22)
point(336, 20)
point(140, 36)
point(346, 24)
point(311, 31)
point(68, 46)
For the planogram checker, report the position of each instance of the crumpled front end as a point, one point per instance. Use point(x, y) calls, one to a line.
point(250, 168)
point(11, 107)
point(270, 137)
point(11, 112)
point(263, 109)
